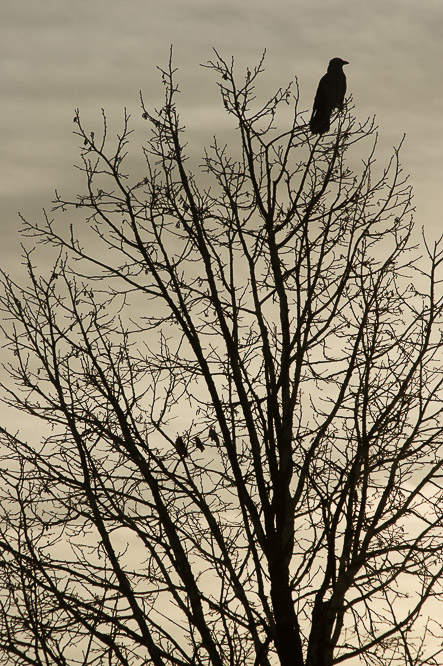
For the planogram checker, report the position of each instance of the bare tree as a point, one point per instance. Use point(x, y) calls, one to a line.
point(237, 378)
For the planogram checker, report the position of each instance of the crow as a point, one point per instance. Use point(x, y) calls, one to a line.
point(181, 447)
point(199, 444)
point(213, 436)
point(330, 95)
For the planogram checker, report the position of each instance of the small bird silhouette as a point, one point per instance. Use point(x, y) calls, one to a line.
point(199, 444)
point(213, 436)
point(330, 95)
point(181, 447)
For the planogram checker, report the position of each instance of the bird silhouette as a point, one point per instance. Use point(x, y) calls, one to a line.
point(213, 436)
point(181, 447)
point(199, 444)
point(330, 95)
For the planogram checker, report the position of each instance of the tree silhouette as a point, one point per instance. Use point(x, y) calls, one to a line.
point(277, 325)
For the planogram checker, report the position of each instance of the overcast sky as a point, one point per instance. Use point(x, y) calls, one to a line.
point(57, 55)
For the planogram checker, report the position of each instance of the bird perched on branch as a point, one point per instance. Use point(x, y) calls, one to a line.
point(199, 444)
point(330, 95)
point(214, 437)
point(181, 447)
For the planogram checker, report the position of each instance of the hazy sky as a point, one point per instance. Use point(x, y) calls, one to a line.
point(57, 55)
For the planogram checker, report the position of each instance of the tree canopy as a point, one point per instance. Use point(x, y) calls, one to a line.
point(235, 377)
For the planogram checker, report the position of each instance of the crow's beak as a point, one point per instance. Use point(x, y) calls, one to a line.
point(344, 62)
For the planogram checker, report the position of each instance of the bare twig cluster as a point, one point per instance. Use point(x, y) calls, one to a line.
point(238, 387)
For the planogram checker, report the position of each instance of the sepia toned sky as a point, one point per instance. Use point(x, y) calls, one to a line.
point(57, 55)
